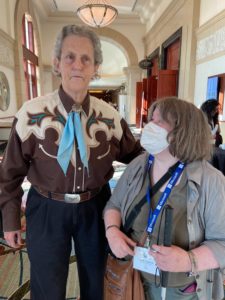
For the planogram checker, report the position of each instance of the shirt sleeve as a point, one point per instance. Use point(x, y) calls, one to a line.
point(214, 212)
point(13, 169)
point(119, 193)
point(129, 146)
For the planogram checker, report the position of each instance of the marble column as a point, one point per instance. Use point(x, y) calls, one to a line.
point(133, 74)
point(122, 100)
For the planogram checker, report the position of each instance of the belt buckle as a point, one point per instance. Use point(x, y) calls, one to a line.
point(72, 198)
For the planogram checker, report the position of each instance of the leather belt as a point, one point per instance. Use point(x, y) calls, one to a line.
point(69, 198)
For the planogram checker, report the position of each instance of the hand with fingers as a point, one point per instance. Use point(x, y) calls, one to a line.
point(171, 259)
point(14, 238)
point(120, 244)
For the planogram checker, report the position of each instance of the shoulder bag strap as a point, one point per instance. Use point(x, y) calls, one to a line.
point(154, 189)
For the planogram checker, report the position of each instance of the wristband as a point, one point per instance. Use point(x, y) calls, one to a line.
point(193, 261)
point(110, 226)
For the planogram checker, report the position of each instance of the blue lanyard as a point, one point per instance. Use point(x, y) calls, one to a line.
point(152, 218)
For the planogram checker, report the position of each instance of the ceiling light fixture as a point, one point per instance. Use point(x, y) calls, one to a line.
point(97, 13)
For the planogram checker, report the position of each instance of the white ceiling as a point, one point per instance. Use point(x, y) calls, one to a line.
point(123, 6)
point(143, 9)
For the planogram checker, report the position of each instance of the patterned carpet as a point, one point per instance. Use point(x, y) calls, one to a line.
point(13, 272)
point(14, 277)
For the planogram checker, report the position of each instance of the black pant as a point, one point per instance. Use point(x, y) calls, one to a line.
point(51, 225)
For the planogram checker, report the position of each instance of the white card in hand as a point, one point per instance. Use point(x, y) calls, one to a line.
point(143, 261)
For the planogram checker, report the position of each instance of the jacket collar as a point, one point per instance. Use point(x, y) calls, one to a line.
point(194, 169)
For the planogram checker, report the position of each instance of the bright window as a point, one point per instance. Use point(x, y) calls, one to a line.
point(30, 57)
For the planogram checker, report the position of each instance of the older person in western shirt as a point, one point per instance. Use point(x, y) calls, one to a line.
point(32, 151)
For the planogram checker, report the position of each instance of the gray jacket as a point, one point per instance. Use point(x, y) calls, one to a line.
point(205, 214)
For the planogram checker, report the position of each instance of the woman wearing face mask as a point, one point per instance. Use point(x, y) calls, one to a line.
point(177, 136)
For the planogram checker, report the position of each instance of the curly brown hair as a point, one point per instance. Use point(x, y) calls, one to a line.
point(189, 139)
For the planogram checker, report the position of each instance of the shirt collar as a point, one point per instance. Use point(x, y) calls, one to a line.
point(195, 170)
point(68, 102)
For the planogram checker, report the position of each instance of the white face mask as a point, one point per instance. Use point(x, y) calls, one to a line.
point(154, 138)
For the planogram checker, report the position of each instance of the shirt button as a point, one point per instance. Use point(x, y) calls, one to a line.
point(189, 221)
point(199, 290)
point(78, 187)
point(193, 243)
point(79, 168)
point(197, 276)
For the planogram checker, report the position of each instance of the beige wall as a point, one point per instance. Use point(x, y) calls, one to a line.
point(7, 51)
point(133, 32)
point(179, 13)
point(7, 16)
point(12, 109)
point(209, 9)
point(152, 18)
point(210, 56)
point(11, 58)
point(7, 62)
point(26, 6)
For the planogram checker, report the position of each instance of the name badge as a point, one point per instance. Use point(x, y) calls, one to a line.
point(143, 261)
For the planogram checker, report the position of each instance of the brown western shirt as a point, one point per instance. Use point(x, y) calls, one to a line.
point(33, 145)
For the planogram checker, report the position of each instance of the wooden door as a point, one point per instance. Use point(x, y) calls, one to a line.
point(144, 104)
point(139, 91)
point(167, 83)
point(146, 96)
point(221, 92)
point(152, 90)
point(155, 66)
point(173, 56)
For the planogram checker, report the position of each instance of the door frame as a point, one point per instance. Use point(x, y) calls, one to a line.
point(175, 36)
point(154, 54)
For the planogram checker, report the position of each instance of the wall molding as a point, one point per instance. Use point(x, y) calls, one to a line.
point(164, 19)
point(211, 57)
point(7, 46)
point(211, 26)
point(121, 41)
point(211, 39)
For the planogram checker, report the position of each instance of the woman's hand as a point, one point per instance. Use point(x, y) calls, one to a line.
point(119, 243)
point(172, 259)
point(14, 239)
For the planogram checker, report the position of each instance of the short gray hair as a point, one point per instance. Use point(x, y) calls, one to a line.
point(81, 31)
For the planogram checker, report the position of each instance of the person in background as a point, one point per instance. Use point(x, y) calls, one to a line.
point(176, 134)
point(65, 143)
point(211, 110)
